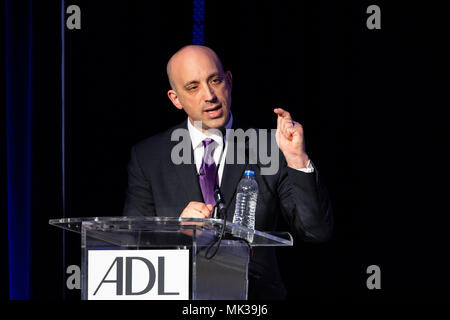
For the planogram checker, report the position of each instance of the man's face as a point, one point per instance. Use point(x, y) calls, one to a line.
point(202, 88)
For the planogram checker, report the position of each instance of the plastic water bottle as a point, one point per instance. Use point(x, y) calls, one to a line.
point(246, 199)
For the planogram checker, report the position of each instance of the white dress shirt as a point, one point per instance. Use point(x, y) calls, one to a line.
point(197, 137)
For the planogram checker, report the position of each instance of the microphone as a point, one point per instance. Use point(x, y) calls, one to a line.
point(218, 195)
point(220, 203)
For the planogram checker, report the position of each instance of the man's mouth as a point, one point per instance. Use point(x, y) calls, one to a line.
point(214, 112)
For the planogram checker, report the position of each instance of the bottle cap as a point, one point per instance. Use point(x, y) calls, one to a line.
point(249, 173)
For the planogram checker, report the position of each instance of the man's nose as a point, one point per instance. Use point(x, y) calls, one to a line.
point(210, 95)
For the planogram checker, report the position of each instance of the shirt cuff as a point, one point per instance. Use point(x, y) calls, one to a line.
point(309, 168)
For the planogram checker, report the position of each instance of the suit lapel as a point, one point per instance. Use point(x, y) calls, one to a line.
point(187, 174)
point(232, 174)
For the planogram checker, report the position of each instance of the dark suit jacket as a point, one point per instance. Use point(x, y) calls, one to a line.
point(158, 187)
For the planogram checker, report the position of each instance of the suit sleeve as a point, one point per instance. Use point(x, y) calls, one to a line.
point(139, 198)
point(305, 203)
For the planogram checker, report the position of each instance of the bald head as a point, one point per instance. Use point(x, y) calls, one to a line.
point(200, 86)
point(189, 57)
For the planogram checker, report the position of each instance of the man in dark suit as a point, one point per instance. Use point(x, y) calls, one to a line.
point(158, 186)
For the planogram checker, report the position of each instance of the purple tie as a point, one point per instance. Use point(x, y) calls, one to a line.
point(207, 174)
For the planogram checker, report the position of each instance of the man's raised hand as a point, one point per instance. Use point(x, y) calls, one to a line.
point(290, 140)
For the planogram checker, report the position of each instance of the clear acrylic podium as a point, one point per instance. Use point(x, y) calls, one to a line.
point(219, 276)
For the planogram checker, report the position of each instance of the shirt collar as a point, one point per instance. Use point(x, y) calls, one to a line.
point(197, 136)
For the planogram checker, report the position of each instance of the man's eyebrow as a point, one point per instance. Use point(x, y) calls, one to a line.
point(215, 74)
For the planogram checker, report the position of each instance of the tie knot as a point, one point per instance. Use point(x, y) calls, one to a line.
point(207, 142)
point(208, 155)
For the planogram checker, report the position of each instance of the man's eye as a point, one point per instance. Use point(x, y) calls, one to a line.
point(218, 80)
point(192, 88)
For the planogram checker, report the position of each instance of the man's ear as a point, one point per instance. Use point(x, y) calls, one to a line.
point(174, 98)
point(229, 78)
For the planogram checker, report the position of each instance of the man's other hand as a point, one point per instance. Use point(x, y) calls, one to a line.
point(197, 209)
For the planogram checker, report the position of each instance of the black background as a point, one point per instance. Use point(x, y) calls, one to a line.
point(372, 103)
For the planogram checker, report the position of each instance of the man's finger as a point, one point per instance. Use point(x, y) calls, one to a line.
point(195, 204)
point(282, 129)
point(196, 209)
point(205, 212)
point(289, 123)
point(278, 121)
point(204, 209)
point(193, 213)
point(199, 206)
point(286, 124)
point(282, 113)
point(189, 213)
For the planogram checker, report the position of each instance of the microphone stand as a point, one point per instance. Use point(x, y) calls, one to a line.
point(219, 210)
